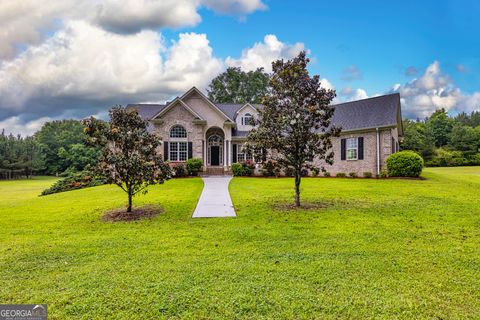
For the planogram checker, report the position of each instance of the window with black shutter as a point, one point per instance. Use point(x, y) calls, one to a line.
point(234, 153)
point(190, 150)
point(165, 151)
point(360, 148)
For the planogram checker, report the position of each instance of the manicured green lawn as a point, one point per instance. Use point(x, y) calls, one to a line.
point(379, 249)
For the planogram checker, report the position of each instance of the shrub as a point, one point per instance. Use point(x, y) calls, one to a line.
point(289, 171)
point(326, 174)
point(341, 175)
point(383, 174)
point(352, 174)
point(404, 164)
point(247, 171)
point(315, 172)
point(179, 170)
point(270, 168)
point(194, 165)
point(448, 158)
point(304, 172)
point(248, 167)
point(74, 181)
point(237, 169)
point(367, 175)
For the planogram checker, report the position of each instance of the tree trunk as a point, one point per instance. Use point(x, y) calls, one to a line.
point(129, 208)
point(297, 187)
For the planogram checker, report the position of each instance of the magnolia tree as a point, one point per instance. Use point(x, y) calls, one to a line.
point(295, 122)
point(130, 159)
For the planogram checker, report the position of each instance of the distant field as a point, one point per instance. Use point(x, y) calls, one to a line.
point(405, 249)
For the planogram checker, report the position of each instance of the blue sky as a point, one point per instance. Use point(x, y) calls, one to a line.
point(382, 38)
point(76, 58)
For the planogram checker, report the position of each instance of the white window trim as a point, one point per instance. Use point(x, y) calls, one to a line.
point(243, 154)
point(246, 115)
point(347, 148)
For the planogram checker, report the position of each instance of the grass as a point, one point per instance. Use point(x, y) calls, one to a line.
point(376, 249)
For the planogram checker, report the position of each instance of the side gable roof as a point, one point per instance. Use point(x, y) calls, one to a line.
point(381, 111)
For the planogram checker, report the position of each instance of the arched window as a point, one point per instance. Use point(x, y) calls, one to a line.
point(178, 132)
point(247, 119)
point(178, 147)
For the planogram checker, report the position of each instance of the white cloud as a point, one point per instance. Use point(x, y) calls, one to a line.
point(23, 22)
point(27, 22)
point(131, 16)
point(83, 66)
point(16, 126)
point(326, 84)
point(350, 94)
point(434, 90)
point(263, 53)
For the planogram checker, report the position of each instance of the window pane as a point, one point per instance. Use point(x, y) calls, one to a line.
point(352, 154)
point(174, 151)
point(351, 143)
point(183, 147)
point(178, 132)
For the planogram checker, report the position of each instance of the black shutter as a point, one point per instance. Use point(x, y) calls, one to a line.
point(264, 154)
point(234, 153)
point(343, 152)
point(190, 150)
point(360, 148)
point(393, 146)
point(165, 151)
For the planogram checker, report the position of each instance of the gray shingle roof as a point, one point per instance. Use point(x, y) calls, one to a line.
point(229, 108)
point(239, 133)
point(147, 111)
point(373, 112)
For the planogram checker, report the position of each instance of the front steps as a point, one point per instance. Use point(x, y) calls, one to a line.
point(215, 171)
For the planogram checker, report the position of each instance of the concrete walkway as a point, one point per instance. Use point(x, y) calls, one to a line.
point(215, 199)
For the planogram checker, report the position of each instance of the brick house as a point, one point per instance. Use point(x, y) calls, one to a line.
point(193, 126)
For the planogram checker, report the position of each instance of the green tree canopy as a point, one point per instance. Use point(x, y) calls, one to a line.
point(237, 86)
point(19, 154)
point(62, 142)
point(441, 126)
point(130, 159)
point(295, 122)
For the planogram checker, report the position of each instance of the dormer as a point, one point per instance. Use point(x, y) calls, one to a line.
point(244, 115)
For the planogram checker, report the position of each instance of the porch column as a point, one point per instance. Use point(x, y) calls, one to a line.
point(230, 153)
point(204, 158)
point(225, 153)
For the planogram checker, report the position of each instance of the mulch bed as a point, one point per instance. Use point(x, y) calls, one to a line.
point(145, 212)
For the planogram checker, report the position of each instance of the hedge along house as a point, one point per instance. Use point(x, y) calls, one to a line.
point(193, 126)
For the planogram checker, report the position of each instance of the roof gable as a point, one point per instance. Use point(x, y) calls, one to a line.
point(381, 111)
point(176, 101)
point(210, 103)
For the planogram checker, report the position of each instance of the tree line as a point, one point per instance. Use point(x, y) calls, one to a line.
point(58, 148)
point(443, 140)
